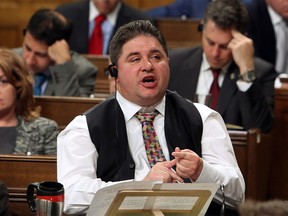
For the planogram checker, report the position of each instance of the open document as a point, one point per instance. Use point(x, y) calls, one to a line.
point(153, 198)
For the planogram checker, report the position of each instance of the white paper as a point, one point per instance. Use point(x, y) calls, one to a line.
point(104, 197)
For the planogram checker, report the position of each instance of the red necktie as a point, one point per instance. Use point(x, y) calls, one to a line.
point(96, 40)
point(214, 90)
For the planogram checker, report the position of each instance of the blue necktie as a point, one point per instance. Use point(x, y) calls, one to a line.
point(39, 80)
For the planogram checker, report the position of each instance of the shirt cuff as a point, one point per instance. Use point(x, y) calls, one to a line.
point(243, 86)
point(208, 174)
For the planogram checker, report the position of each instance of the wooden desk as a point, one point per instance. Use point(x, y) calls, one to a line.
point(253, 153)
point(180, 33)
point(65, 109)
point(19, 171)
point(279, 171)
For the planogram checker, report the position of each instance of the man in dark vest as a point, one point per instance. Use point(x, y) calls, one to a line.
point(187, 142)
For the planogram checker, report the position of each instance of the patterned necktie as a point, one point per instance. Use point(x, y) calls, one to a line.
point(39, 79)
point(96, 40)
point(214, 90)
point(153, 148)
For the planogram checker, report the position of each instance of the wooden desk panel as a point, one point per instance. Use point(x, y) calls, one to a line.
point(65, 109)
point(253, 153)
point(180, 33)
point(102, 82)
point(147, 4)
point(19, 171)
point(279, 171)
point(14, 15)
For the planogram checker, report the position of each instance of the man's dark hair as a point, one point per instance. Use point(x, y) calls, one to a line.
point(130, 31)
point(49, 26)
point(227, 14)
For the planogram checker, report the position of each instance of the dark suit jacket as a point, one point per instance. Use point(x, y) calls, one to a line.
point(250, 109)
point(261, 31)
point(78, 13)
point(74, 78)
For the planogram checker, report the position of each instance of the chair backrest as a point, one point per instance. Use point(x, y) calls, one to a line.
point(102, 82)
point(180, 33)
point(64, 109)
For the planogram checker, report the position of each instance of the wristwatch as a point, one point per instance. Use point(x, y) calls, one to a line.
point(249, 76)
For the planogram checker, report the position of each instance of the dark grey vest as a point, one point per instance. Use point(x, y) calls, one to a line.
point(183, 128)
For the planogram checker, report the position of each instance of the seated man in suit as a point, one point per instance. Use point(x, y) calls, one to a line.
point(84, 16)
point(183, 9)
point(57, 70)
point(269, 32)
point(244, 92)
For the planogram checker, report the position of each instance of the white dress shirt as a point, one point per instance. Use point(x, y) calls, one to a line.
point(206, 78)
point(281, 34)
point(77, 156)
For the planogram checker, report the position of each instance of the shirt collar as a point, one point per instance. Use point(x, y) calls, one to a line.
point(205, 65)
point(129, 108)
point(275, 17)
point(111, 17)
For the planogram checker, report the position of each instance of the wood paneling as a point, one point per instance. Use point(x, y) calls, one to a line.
point(180, 33)
point(65, 109)
point(14, 15)
point(253, 153)
point(147, 4)
point(19, 171)
point(102, 82)
point(279, 171)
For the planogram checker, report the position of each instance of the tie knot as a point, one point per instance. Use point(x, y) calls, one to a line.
point(40, 78)
point(100, 19)
point(216, 72)
point(146, 117)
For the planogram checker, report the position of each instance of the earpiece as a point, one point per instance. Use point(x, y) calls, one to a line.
point(200, 27)
point(113, 70)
